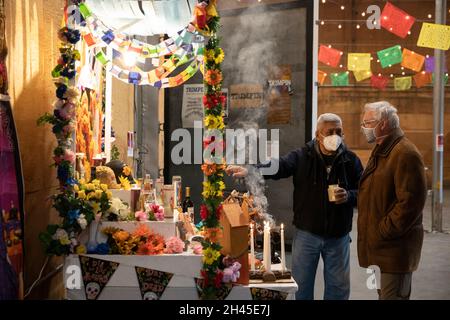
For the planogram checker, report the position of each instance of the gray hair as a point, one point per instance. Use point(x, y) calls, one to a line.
point(328, 117)
point(384, 111)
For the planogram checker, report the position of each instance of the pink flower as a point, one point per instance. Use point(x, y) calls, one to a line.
point(141, 216)
point(67, 111)
point(174, 245)
point(158, 211)
point(69, 155)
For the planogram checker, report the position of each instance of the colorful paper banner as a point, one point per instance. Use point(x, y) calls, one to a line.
point(422, 79)
point(412, 60)
point(321, 76)
point(358, 61)
point(402, 83)
point(267, 294)
point(378, 81)
point(339, 79)
point(362, 75)
point(96, 274)
point(329, 56)
point(152, 283)
point(396, 20)
point(436, 36)
point(390, 56)
point(429, 64)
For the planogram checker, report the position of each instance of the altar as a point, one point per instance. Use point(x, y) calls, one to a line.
point(185, 267)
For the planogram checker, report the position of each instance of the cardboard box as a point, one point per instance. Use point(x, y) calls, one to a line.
point(234, 241)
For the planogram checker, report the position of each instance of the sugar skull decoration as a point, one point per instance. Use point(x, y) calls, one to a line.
point(149, 295)
point(106, 176)
point(92, 290)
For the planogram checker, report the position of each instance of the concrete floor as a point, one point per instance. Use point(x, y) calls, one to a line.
point(430, 282)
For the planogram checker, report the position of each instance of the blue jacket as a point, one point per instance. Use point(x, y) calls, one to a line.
point(312, 210)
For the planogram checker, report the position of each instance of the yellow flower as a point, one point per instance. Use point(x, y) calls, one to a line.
point(95, 207)
point(76, 188)
point(82, 181)
point(214, 122)
point(126, 171)
point(81, 249)
point(90, 186)
point(104, 187)
point(81, 195)
point(210, 256)
point(98, 194)
point(90, 195)
point(109, 194)
point(125, 183)
point(64, 241)
point(96, 182)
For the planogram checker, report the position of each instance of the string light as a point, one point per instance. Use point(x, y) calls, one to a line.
point(430, 16)
point(323, 1)
point(322, 22)
point(392, 75)
point(409, 32)
point(130, 58)
point(363, 14)
point(342, 7)
point(358, 26)
point(340, 26)
point(403, 73)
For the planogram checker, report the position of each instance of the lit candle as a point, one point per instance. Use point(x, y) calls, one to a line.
point(283, 254)
point(252, 248)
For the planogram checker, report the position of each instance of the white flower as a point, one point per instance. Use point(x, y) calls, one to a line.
point(118, 208)
point(82, 221)
point(60, 234)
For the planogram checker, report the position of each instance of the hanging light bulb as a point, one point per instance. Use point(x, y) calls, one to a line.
point(130, 58)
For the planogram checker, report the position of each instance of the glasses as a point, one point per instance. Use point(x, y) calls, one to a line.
point(367, 122)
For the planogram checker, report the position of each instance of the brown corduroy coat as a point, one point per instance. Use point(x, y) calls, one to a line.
point(392, 193)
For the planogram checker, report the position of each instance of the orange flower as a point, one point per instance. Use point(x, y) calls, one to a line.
point(209, 169)
point(142, 231)
point(213, 77)
point(212, 234)
point(121, 235)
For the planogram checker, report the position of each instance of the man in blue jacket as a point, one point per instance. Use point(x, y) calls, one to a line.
point(322, 221)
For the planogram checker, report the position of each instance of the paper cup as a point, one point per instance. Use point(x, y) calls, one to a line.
point(331, 188)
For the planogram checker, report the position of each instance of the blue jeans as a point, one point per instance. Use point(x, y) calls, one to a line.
point(335, 252)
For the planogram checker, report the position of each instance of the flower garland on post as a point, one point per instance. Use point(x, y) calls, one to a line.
point(207, 22)
point(78, 203)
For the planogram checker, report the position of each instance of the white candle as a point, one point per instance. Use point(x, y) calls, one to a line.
point(283, 254)
point(252, 248)
point(267, 250)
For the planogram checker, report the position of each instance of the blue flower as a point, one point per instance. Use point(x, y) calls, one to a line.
point(61, 91)
point(73, 215)
point(102, 248)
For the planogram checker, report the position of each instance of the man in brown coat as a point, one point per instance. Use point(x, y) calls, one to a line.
point(392, 194)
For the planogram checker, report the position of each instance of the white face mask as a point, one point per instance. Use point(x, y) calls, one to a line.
point(370, 133)
point(332, 143)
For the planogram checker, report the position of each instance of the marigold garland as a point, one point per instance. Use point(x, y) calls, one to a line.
point(213, 167)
